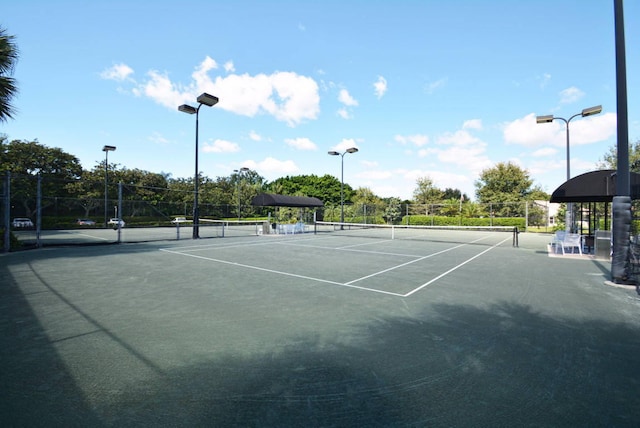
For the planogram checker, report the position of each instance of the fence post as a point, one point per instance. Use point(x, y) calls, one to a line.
point(120, 213)
point(38, 210)
point(7, 212)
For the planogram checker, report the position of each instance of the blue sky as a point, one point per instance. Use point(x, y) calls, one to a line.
point(438, 89)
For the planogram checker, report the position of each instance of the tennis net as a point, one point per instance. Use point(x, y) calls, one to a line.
point(221, 228)
point(485, 235)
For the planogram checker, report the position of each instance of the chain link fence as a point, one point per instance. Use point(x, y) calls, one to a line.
point(59, 212)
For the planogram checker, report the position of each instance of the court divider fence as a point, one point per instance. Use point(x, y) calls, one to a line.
point(73, 211)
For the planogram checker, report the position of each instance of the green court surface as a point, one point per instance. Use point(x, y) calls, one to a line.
point(316, 330)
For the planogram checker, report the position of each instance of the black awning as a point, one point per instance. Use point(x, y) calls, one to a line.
point(272, 200)
point(594, 186)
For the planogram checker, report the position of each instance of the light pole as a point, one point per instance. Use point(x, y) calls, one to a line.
point(207, 100)
point(106, 150)
point(334, 153)
point(238, 178)
point(550, 118)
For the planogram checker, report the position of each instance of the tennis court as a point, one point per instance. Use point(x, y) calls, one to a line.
point(317, 329)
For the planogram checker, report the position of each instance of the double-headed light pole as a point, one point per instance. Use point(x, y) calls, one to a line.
point(207, 100)
point(334, 153)
point(106, 150)
point(550, 118)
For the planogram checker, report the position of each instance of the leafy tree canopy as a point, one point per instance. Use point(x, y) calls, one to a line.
point(505, 182)
point(325, 188)
point(610, 159)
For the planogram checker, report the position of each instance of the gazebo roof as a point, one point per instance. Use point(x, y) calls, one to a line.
point(273, 200)
point(594, 186)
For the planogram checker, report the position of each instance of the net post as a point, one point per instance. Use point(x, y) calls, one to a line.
point(515, 236)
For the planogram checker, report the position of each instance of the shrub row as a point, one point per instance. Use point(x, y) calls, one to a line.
point(424, 220)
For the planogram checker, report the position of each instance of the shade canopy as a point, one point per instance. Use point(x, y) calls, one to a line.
point(272, 200)
point(594, 186)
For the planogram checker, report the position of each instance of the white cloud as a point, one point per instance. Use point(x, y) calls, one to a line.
point(345, 144)
point(418, 140)
point(526, 132)
point(544, 80)
point(431, 87)
point(157, 138)
point(273, 168)
point(118, 72)
point(301, 143)
point(472, 124)
point(570, 95)
point(228, 67)
point(546, 151)
point(287, 96)
point(253, 135)
point(375, 175)
point(462, 149)
point(380, 87)
point(343, 113)
point(221, 146)
point(345, 98)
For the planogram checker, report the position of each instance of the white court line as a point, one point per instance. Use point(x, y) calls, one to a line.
point(382, 253)
point(405, 264)
point(282, 273)
point(453, 269)
point(350, 283)
point(94, 237)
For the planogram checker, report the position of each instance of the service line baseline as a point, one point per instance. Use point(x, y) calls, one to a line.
point(349, 284)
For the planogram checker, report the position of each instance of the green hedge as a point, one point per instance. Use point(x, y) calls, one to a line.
point(424, 220)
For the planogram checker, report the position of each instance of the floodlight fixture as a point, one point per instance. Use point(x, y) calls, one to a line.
point(334, 153)
point(352, 150)
point(186, 108)
point(544, 119)
point(109, 149)
point(207, 99)
point(591, 111)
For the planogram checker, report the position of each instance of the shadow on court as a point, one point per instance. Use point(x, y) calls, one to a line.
point(453, 366)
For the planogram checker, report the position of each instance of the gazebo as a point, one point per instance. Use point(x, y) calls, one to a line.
point(591, 188)
point(273, 200)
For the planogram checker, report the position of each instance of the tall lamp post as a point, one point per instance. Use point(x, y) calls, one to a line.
point(334, 153)
point(239, 172)
point(207, 100)
point(106, 150)
point(550, 118)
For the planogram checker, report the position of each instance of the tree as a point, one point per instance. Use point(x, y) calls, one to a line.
point(8, 85)
point(426, 192)
point(393, 212)
point(610, 159)
point(503, 186)
point(456, 194)
point(325, 188)
point(28, 159)
point(367, 205)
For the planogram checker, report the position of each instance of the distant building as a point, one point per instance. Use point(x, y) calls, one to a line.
point(551, 210)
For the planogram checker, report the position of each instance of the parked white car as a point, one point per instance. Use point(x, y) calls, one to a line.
point(116, 222)
point(21, 222)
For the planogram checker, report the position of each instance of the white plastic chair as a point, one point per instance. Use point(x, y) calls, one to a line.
point(558, 237)
point(572, 241)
